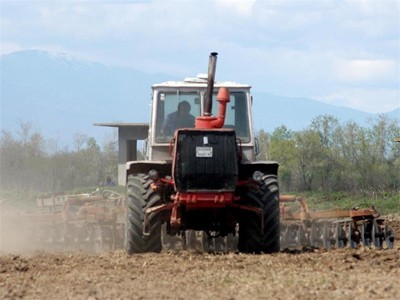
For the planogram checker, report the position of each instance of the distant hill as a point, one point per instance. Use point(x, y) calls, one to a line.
point(62, 96)
point(297, 113)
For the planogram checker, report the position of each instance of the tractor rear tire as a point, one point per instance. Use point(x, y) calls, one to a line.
point(252, 237)
point(140, 197)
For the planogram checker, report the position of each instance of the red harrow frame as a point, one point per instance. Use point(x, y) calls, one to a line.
point(334, 228)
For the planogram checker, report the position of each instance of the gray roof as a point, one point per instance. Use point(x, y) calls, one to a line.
point(136, 125)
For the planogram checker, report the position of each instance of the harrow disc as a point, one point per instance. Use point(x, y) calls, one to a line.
point(102, 238)
point(340, 235)
point(362, 229)
point(314, 241)
point(352, 235)
point(376, 235)
point(326, 236)
point(389, 237)
point(96, 239)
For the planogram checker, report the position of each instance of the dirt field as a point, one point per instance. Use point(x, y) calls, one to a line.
point(339, 274)
point(346, 274)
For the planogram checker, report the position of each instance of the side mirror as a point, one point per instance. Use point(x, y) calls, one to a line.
point(256, 147)
point(145, 149)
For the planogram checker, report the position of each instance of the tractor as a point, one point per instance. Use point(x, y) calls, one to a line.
point(202, 175)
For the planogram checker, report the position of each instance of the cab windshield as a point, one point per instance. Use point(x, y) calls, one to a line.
point(179, 110)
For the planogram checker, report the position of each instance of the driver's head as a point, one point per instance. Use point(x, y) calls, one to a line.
point(184, 108)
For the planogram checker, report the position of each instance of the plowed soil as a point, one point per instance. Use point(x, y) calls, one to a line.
point(361, 273)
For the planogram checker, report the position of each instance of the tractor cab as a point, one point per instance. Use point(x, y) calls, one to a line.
point(176, 104)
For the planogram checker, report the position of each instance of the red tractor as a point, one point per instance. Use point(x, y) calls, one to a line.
point(202, 175)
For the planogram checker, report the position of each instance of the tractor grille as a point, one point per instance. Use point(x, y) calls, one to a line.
point(206, 160)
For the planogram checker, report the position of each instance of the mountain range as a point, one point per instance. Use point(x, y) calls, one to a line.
point(62, 96)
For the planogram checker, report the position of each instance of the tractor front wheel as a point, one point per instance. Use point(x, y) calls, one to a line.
point(261, 233)
point(140, 197)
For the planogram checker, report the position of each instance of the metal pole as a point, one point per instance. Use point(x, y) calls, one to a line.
point(210, 84)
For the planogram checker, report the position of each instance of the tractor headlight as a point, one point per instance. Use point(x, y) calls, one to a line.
point(257, 176)
point(153, 174)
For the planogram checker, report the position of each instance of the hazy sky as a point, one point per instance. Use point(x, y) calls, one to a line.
point(341, 52)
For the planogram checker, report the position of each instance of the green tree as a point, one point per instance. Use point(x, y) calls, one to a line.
point(283, 150)
point(330, 173)
point(309, 158)
point(263, 143)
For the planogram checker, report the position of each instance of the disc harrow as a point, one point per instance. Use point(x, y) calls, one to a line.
point(72, 222)
point(96, 222)
point(334, 228)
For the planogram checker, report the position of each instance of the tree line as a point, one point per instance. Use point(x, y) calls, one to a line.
point(326, 156)
point(30, 162)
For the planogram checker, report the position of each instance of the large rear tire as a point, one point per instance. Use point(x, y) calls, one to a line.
point(139, 198)
point(252, 237)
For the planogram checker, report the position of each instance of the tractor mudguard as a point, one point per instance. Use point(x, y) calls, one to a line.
point(267, 167)
point(144, 166)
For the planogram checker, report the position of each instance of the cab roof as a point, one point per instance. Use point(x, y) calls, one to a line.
point(200, 81)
